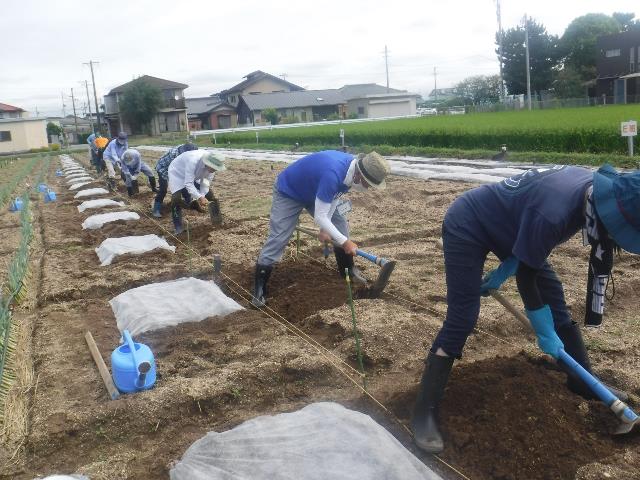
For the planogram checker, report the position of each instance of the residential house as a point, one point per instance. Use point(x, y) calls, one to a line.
point(210, 113)
point(256, 83)
point(75, 129)
point(19, 132)
point(618, 67)
point(171, 117)
point(369, 100)
point(299, 106)
point(9, 111)
point(351, 101)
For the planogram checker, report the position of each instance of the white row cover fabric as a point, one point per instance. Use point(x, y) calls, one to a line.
point(76, 186)
point(91, 192)
point(321, 441)
point(99, 203)
point(79, 180)
point(166, 304)
point(98, 220)
point(64, 477)
point(112, 247)
point(76, 174)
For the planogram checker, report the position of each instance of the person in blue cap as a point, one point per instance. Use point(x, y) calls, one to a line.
point(315, 183)
point(162, 167)
point(521, 220)
point(112, 157)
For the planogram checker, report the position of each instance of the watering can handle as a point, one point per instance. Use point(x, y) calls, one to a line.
point(132, 346)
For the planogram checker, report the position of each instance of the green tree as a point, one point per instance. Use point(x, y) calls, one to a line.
point(54, 129)
point(568, 83)
point(543, 56)
point(139, 104)
point(479, 89)
point(626, 21)
point(271, 115)
point(578, 42)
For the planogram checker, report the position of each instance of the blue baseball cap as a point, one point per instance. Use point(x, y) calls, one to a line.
point(617, 199)
point(122, 136)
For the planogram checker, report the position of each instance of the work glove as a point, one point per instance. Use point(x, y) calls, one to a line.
point(495, 278)
point(542, 322)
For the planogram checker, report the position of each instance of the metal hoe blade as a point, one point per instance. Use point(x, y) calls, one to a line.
point(381, 282)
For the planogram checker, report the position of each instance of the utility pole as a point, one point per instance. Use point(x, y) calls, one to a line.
point(435, 84)
point(75, 117)
point(95, 96)
point(500, 35)
point(64, 114)
point(284, 76)
point(386, 65)
point(526, 43)
point(86, 87)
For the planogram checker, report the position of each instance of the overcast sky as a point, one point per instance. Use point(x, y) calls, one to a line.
point(210, 45)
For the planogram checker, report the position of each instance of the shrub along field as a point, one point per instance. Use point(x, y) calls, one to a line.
point(576, 130)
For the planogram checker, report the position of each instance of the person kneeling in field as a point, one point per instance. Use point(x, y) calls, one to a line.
point(191, 175)
point(315, 183)
point(162, 167)
point(521, 220)
point(132, 166)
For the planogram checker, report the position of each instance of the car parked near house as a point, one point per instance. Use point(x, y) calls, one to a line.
point(422, 111)
point(456, 111)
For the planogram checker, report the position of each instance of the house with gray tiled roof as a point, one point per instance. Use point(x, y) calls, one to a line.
point(209, 113)
point(255, 83)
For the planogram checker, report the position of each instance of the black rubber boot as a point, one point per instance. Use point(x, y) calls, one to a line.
point(176, 216)
point(111, 184)
point(152, 184)
point(424, 422)
point(262, 274)
point(574, 345)
point(344, 260)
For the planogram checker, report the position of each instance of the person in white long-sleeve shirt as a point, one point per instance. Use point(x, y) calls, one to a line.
point(315, 183)
point(191, 175)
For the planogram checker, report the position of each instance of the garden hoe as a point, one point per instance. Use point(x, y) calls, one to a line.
point(386, 267)
point(628, 418)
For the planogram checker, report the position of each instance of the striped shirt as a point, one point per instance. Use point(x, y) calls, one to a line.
point(162, 167)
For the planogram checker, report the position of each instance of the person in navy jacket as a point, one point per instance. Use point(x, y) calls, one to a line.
point(316, 183)
point(521, 220)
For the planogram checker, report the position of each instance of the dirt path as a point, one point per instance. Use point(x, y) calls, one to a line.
point(507, 413)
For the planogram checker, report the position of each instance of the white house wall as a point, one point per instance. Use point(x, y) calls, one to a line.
point(392, 108)
point(25, 135)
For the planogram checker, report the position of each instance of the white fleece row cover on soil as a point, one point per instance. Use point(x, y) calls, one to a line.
point(90, 192)
point(321, 441)
point(76, 186)
point(166, 304)
point(99, 203)
point(112, 247)
point(98, 220)
point(79, 180)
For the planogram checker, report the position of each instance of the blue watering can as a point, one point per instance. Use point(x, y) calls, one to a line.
point(49, 196)
point(133, 366)
point(16, 205)
point(59, 173)
point(42, 187)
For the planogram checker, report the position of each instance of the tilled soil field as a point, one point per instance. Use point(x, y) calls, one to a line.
point(506, 412)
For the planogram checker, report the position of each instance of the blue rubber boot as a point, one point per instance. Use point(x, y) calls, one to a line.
point(176, 216)
point(157, 207)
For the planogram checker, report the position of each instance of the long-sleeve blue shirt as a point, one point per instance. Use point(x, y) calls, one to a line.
point(114, 151)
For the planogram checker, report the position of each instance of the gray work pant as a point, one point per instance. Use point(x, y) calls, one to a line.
point(284, 218)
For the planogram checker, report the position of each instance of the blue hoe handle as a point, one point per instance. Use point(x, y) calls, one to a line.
point(372, 258)
point(596, 386)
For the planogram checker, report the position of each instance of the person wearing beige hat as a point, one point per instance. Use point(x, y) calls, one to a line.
point(315, 183)
point(190, 176)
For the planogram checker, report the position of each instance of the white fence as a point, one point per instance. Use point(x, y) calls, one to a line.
point(294, 125)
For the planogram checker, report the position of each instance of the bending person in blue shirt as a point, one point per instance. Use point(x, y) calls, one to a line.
point(521, 220)
point(315, 183)
point(112, 157)
point(132, 166)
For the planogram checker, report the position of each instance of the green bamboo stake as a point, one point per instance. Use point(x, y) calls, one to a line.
point(355, 328)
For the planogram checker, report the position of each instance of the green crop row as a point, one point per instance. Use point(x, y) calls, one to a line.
point(582, 130)
point(7, 188)
point(14, 290)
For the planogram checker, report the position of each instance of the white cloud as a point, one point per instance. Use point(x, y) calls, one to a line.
point(212, 45)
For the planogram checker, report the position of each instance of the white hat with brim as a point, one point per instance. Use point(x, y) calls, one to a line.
point(214, 161)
